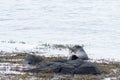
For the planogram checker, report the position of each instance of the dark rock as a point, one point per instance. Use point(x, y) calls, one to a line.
point(32, 60)
point(67, 69)
point(74, 57)
point(63, 60)
point(87, 68)
point(77, 66)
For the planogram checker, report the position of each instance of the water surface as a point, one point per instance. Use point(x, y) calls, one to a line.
point(94, 23)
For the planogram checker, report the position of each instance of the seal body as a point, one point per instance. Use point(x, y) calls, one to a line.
point(77, 51)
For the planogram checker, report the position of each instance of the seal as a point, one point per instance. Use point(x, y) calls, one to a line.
point(77, 52)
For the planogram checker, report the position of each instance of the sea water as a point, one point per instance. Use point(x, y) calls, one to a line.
point(93, 23)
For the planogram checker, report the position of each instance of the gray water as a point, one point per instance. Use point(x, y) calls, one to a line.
point(94, 23)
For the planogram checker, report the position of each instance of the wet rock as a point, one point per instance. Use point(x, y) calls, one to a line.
point(77, 66)
point(87, 68)
point(32, 60)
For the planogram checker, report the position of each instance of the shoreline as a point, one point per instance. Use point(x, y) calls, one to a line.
point(13, 64)
point(57, 49)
